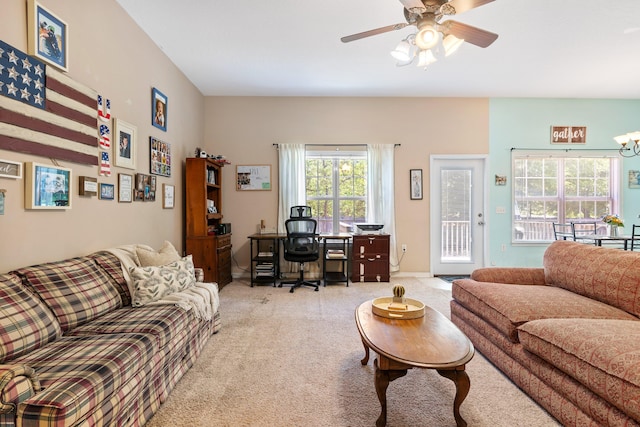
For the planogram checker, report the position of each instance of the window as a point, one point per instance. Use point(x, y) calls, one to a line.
point(561, 188)
point(336, 189)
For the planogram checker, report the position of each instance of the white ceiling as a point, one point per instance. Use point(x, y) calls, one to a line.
point(546, 48)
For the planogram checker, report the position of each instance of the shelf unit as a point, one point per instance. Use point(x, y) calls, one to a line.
point(335, 253)
point(265, 265)
point(203, 212)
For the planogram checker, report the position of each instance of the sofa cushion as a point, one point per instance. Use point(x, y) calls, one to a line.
point(75, 289)
point(604, 274)
point(152, 258)
point(508, 306)
point(111, 264)
point(153, 283)
point(604, 355)
point(79, 373)
point(162, 321)
point(27, 323)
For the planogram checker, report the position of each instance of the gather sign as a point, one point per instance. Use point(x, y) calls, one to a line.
point(568, 134)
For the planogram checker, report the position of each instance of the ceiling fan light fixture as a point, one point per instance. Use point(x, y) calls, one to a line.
point(402, 52)
point(451, 43)
point(427, 37)
point(622, 139)
point(425, 58)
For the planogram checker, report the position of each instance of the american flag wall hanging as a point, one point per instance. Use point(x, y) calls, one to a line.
point(45, 113)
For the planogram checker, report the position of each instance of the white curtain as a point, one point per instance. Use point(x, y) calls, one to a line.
point(380, 194)
point(291, 172)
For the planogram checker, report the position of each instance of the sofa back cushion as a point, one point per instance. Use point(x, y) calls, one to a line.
point(111, 264)
point(609, 275)
point(27, 323)
point(76, 290)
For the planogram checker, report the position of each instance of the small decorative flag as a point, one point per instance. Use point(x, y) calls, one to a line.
point(104, 115)
point(105, 164)
point(105, 141)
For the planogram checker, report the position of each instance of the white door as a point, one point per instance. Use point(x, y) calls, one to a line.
point(457, 214)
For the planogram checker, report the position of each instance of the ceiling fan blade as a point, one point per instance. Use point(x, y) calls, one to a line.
point(473, 35)
point(358, 36)
point(414, 6)
point(460, 6)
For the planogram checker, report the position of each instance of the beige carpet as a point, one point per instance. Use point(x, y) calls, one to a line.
point(285, 359)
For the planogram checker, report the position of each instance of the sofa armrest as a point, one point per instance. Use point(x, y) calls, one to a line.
point(17, 384)
point(199, 274)
point(511, 275)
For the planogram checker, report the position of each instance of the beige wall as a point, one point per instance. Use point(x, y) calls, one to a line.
point(244, 129)
point(109, 53)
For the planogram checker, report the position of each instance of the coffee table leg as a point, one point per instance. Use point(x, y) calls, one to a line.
point(382, 379)
point(461, 380)
point(366, 354)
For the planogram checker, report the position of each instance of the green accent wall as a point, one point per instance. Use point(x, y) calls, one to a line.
point(526, 123)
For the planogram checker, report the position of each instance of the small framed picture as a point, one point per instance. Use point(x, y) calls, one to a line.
point(160, 157)
point(634, 179)
point(145, 190)
point(501, 180)
point(168, 195)
point(125, 188)
point(107, 191)
point(48, 36)
point(159, 104)
point(47, 187)
point(125, 144)
point(415, 180)
point(9, 169)
point(87, 186)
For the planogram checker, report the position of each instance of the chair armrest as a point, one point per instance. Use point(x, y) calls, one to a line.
point(510, 275)
point(17, 384)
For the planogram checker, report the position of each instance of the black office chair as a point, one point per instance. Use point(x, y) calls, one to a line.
point(301, 245)
point(300, 212)
point(635, 237)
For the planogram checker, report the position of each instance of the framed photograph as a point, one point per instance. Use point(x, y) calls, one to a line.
point(48, 36)
point(501, 180)
point(257, 177)
point(107, 191)
point(87, 186)
point(9, 169)
point(159, 104)
point(160, 157)
point(145, 190)
point(168, 196)
point(125, 188)
point(415, 179)
point(634, 179)
point(125, 144)
point(47, 187)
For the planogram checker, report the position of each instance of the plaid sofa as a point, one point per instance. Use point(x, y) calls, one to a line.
point(74, 352)
point(567, 334)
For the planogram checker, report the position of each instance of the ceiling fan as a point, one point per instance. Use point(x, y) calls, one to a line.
point(426, 16)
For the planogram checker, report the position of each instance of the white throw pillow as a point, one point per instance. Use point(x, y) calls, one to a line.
point(163, 256)
point(152, 283)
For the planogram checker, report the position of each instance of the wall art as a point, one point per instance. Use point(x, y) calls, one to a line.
point(160, 157)
point(159, 104)
point(48, 36)
point(125, 146)
point(47, 187)
point(415, 180)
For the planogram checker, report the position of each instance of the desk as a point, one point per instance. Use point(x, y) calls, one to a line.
point(599, 238)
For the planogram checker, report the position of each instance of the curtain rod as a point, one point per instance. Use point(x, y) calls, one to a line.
point(334, 145)
point(564, 149)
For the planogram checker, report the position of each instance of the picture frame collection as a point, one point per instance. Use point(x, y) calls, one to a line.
point(50, 187)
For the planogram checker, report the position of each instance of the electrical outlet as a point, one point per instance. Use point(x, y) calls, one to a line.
point(404, 248)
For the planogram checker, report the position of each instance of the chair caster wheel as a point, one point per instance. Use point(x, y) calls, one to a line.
point(316, 289)
point(291, 291)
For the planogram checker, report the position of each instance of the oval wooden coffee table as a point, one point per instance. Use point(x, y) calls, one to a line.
point(430, 342)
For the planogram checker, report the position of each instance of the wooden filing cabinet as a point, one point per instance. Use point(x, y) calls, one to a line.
point(370, 258)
